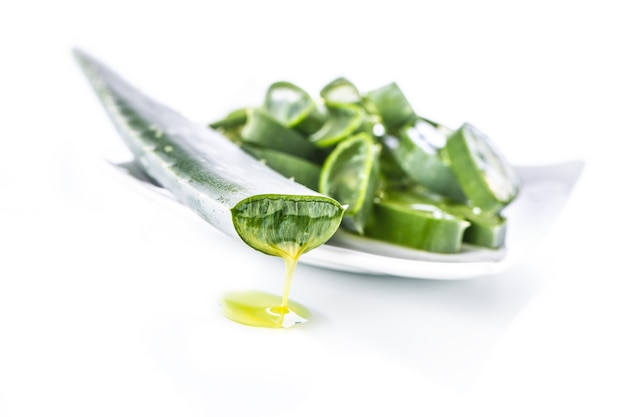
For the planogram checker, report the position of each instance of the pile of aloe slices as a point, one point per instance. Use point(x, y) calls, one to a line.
point(405, 179)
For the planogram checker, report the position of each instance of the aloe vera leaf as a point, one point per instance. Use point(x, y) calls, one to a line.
point(300, 170)
point(286, 226)
point(263, 130)
point(485, 176)
point(211, 175)
point(293, 107)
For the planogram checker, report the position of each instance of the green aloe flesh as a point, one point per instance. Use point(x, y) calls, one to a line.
point(285, 226)
point(470, 180)
point(236, 193)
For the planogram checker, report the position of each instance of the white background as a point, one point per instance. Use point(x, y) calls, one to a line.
point(108, 302)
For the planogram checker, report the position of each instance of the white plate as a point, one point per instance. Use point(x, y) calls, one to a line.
point(545, 190)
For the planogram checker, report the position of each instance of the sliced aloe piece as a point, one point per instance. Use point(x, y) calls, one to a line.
point(415, 223)
point(263, 130)
point(232, 124)
point(341, 91)
point(344, 120)
point(416, 153)
point(293, 107)
point(392, 176)
point(235, 118)
point(486, 177)
point(350, 175)
point(228, 188)
point(486, 230)
point(392, 105)
point(300, 170)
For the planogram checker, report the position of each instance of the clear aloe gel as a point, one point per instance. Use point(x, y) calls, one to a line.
point(261, 309)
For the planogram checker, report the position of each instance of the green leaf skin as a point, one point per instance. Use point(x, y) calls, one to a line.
point(486, 177)
point(211, 175)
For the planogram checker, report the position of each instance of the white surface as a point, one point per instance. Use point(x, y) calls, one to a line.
point(108, 302)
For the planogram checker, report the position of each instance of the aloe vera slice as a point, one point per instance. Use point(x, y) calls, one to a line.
point(342, 91)
point(415, 223)
point(344, 120)
point(485, 230)
point(263, 130)
point(300, 170)
point(293, 107)
point(232, 124)
point(485, 176)
point(211, 175)
point(350, 175)
point(416, 153)
point(392, 105)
